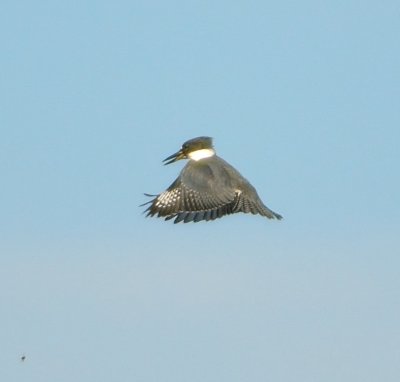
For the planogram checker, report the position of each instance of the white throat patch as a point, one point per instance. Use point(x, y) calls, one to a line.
point(201, 154)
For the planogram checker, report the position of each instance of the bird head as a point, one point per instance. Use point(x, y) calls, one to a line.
point(196, 149)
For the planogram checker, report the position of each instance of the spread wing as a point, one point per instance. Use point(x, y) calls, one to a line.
point(203, 193)
point(191, 198)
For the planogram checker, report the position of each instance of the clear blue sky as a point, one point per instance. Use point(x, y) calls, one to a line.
point(302, 97)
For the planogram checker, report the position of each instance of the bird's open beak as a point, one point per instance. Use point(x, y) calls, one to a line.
point(174, 157)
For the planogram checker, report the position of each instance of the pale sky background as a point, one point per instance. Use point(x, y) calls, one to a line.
point(302, 97)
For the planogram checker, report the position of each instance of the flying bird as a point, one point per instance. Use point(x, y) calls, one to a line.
point(206, 189)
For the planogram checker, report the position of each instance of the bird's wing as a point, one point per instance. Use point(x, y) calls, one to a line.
point(246, 196)
point(254, 205)
point(192, 197)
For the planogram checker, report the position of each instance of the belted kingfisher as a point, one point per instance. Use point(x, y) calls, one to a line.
point(206, 189)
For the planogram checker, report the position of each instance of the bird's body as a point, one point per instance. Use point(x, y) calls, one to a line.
point(206, 189)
